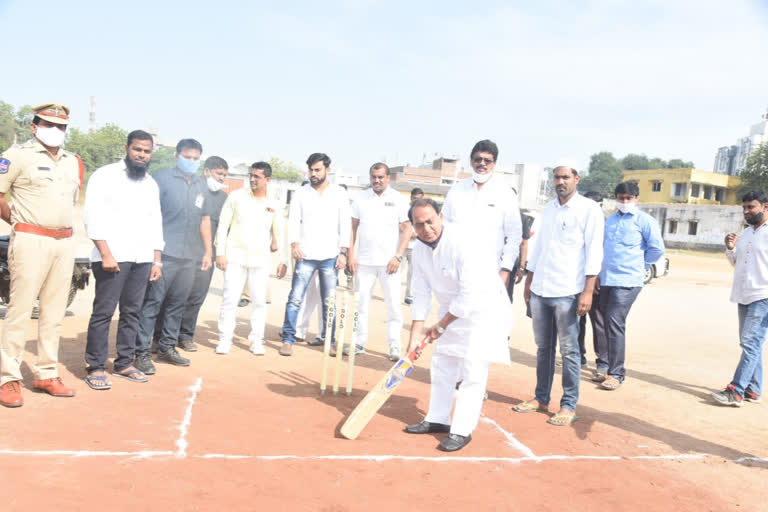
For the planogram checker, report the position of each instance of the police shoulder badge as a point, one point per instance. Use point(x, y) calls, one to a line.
point(4, 165)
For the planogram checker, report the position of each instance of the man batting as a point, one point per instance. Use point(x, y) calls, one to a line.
point(475, 316)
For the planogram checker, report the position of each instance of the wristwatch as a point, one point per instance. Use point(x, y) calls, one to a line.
point(158, 264)
point(440, 330)
point(399, 258)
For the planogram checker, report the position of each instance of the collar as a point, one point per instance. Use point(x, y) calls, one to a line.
point(41, 149)
point(433, 245)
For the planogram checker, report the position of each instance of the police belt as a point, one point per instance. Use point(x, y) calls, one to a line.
point(58, 234)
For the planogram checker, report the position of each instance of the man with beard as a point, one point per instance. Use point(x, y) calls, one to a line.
point(122, 217)
point(561, 280)
point(185, 211)
point(42, 181)
point(319, 225)
point(748, 254)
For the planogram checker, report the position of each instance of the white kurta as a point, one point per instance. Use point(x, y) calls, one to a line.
point(463, 276)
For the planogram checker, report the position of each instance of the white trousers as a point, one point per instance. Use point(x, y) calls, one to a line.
point(390, 285)
point(235, 278)
point(310, 303)
point(445, 372)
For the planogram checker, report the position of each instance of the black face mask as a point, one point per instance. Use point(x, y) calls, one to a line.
point(754, 220)
point(136, 170)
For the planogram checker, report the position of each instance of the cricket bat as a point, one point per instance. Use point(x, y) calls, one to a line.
point(370, 405)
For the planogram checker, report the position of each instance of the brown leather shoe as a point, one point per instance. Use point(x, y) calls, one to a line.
point(286, 349)
point(54, 387)
point(10, 394)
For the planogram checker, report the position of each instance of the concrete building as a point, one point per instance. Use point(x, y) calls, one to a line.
point(442, 171)
point(694, 226)
point(732, 160)
point(688, 186)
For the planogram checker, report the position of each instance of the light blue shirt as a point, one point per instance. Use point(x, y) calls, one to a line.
point(632, 242)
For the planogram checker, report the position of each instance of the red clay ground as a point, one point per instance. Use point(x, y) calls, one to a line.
point(119, 448)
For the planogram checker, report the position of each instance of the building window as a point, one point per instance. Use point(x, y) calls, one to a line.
point(678, 190)
point(656, 186)
point(720, 195)
point(692, 227)
point(695, 189)
point(672, 227)
point(707, 192)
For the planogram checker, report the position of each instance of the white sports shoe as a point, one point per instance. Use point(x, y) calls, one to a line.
point(223, 348)
point(257, 349)
point(394, 353)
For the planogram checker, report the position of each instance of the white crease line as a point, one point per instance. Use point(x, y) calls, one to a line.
point(181, 442)
point(514, 460)
point(751, 459)
point(511, 439)
point(86, 453)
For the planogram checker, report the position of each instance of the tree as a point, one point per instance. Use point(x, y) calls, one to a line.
point(284, 170)
point(604, 174)
point(164, 157)
point(677, 163)
point(633, 162)
point(657, 163)
point(98, 147)
point(755, 176)
point(14, 125)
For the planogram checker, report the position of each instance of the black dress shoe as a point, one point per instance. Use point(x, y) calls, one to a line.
point(143, 363)
point(426, 427)
point(454, 442)
point(172, 357)
point(187, 345)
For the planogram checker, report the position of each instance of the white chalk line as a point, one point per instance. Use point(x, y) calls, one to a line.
point(511, 439)
point(181, 442)
point(146, 454)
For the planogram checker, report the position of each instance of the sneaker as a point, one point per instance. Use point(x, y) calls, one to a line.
point(243, 302)
point(317, 341)
point(154, 347)
point(408, 300)
point(144, 364)
point(358, 350)
point(172, 357)
point(394, 354)
point(728, 396)
point(753, 397)
point(187, 345)
point(223, 348)
point(286, 349)
point(584, 362)
point(599, 376)
point(257, 349)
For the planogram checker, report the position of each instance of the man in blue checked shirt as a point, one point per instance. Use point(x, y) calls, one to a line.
point(631, 243)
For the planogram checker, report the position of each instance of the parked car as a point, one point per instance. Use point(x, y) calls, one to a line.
point(658, 269)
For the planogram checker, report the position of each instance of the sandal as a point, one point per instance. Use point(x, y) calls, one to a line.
point(528, 406)
point(98, 382)
point(131, 374)
point(610, 384)
point(562, 420)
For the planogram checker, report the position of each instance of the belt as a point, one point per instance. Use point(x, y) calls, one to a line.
point(37, 230)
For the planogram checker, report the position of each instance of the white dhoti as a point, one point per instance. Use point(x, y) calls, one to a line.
point(235, 278)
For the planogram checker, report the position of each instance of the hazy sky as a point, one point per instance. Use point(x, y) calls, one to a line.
point(369, 80)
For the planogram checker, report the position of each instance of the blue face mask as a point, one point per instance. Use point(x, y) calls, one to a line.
point(187, 166)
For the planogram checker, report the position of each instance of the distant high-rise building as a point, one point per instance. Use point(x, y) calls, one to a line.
point(732, 160)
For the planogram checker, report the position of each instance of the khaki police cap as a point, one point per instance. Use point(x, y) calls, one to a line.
point(53, 113)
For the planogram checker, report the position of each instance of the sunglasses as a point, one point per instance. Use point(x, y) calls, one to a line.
point(479, 160)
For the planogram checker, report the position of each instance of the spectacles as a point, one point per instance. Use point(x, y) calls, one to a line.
point(479, 160)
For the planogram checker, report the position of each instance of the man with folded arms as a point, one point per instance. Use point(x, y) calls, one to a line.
point(122, 217)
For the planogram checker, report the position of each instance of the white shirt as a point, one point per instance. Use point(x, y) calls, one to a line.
point(750, 261)
point(246, 224)
point(492, 210)
point(466, 283)
point(320, 223)
point(380, 217)
point(569, 247)
point(125, 213)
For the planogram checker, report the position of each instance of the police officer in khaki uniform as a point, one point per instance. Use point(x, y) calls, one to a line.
point(39, 184)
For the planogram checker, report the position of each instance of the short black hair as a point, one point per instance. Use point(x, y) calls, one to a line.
point(420, 203)
point(594, 195)
point(139, 135)
point(627, 187)
point(416, 192)
point(319, 157)
point(755, 195)
point(379, 165)
point(485, 146)
point(215, 162)
point(264, 166)
point(188, 144)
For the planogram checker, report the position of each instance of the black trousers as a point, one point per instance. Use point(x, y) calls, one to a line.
point(127, 288)
point(192, 309)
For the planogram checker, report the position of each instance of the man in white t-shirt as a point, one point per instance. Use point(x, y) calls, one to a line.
point(380, 235)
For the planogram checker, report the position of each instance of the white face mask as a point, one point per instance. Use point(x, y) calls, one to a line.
point(627, 207)
point(213, 185)
point(50, 136)
point(481, 178)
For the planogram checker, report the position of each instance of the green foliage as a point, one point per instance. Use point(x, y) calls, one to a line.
point(676, 163)
point(14, 125)
point(164, 157)
point(284, 170)
point(633, 162)
point(755, 176)
point(605, 170)
point(97, 148)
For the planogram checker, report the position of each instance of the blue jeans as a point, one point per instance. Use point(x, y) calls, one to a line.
point(611, 309)
point(553, 318)
point(302, 275)
point(753, 325)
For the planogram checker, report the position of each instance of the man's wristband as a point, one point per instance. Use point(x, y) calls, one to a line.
point(399, 258)
point(158, 264)
point(440, 330)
